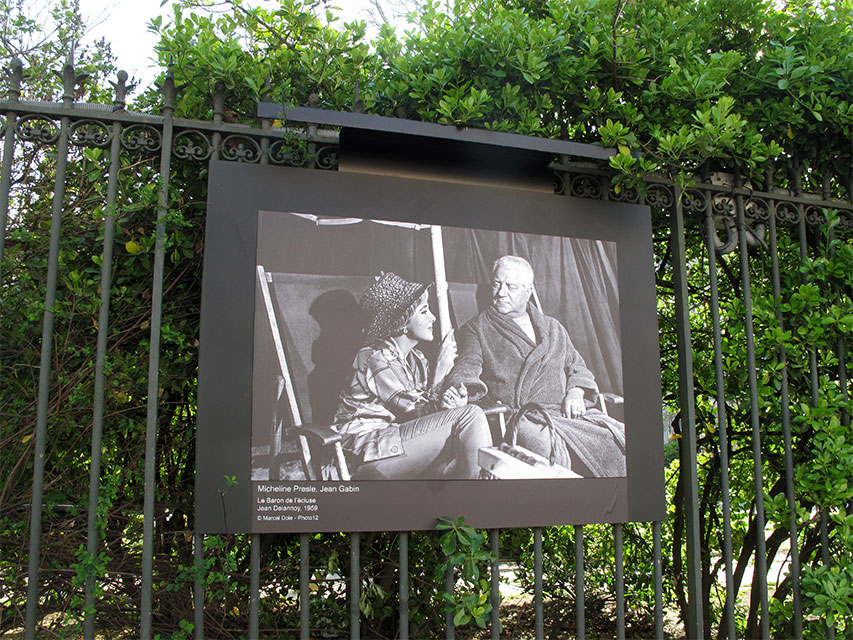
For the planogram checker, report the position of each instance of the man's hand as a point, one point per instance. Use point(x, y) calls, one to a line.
point(454, 397)
point(573, 404)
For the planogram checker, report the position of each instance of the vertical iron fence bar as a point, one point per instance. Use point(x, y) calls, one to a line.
point(842, 355)
point(495, 595)
point(845, 415)
point(804, 254)
point(198, 538)
point(254, 585)
point(449, 584)
point(695, 626)
point(842, 367)
point(218, 116)
point(404, 585)
point(814, 385)
point(198, 587)
point(304, 588)
point(46, 355)
point(618, 559)
point(786, 432)
point(313, 101)
point(827, 561)
point(579, 597)
point(842, 379)
point(354, 585)
point(538, 607)
point(722, 420)
point(100, 358)
point(658, 580)
point(265, 141)
point(845, 418)
point(760, 542)
point(14, 94)
point(154, 360)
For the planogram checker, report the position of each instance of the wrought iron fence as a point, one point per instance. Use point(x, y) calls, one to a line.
point(689, 222)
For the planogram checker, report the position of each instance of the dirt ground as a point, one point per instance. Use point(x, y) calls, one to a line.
point(519, 623)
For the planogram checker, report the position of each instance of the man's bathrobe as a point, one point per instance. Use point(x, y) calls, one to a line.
point(498, 362)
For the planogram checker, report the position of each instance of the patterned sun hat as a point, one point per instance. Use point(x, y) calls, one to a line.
point(386, 303)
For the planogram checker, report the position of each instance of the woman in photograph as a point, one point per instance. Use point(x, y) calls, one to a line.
point(393, 422)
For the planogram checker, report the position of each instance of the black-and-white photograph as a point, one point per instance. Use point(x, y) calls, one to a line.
point(377, 350)
point(387, 350)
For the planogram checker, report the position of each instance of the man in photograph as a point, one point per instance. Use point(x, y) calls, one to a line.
point(514, 355)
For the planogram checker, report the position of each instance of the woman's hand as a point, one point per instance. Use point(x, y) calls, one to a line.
point(454, 397)
point(446, 358)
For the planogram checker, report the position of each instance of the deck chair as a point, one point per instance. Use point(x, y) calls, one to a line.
point(319, 445)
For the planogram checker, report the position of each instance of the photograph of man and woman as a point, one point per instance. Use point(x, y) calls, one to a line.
point(387, 350)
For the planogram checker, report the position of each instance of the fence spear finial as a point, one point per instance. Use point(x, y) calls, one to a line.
point(121, 91)
point(795, 173)
point(16, 76)
point(69, 80)
point(169, 91)
point(218, 101)
point(266, 91)
point(358, 103)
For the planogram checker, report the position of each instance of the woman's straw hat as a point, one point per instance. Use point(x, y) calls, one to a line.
point(386, 304)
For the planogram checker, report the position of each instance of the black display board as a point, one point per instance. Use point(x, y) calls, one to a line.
point(321, 238)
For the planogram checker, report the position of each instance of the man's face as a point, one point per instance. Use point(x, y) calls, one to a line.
point(511, 288)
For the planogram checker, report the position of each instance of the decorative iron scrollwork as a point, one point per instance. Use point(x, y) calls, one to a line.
point(583, 186)
point(757, 214)
point(815, 215)
point(659, 196)
point(757, 209)
point(141, 137)
point(787, 212)
point(723, 205)
point(629, 194)
point(327, 157)
point(90, 133)
point(559, 183)
point(240, 149)
point(192, 145)
point(286, 153)
point(36, 128)
point(845, 220)
point(694, 201)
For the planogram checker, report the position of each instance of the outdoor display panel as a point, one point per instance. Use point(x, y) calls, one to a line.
point(289, 254)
